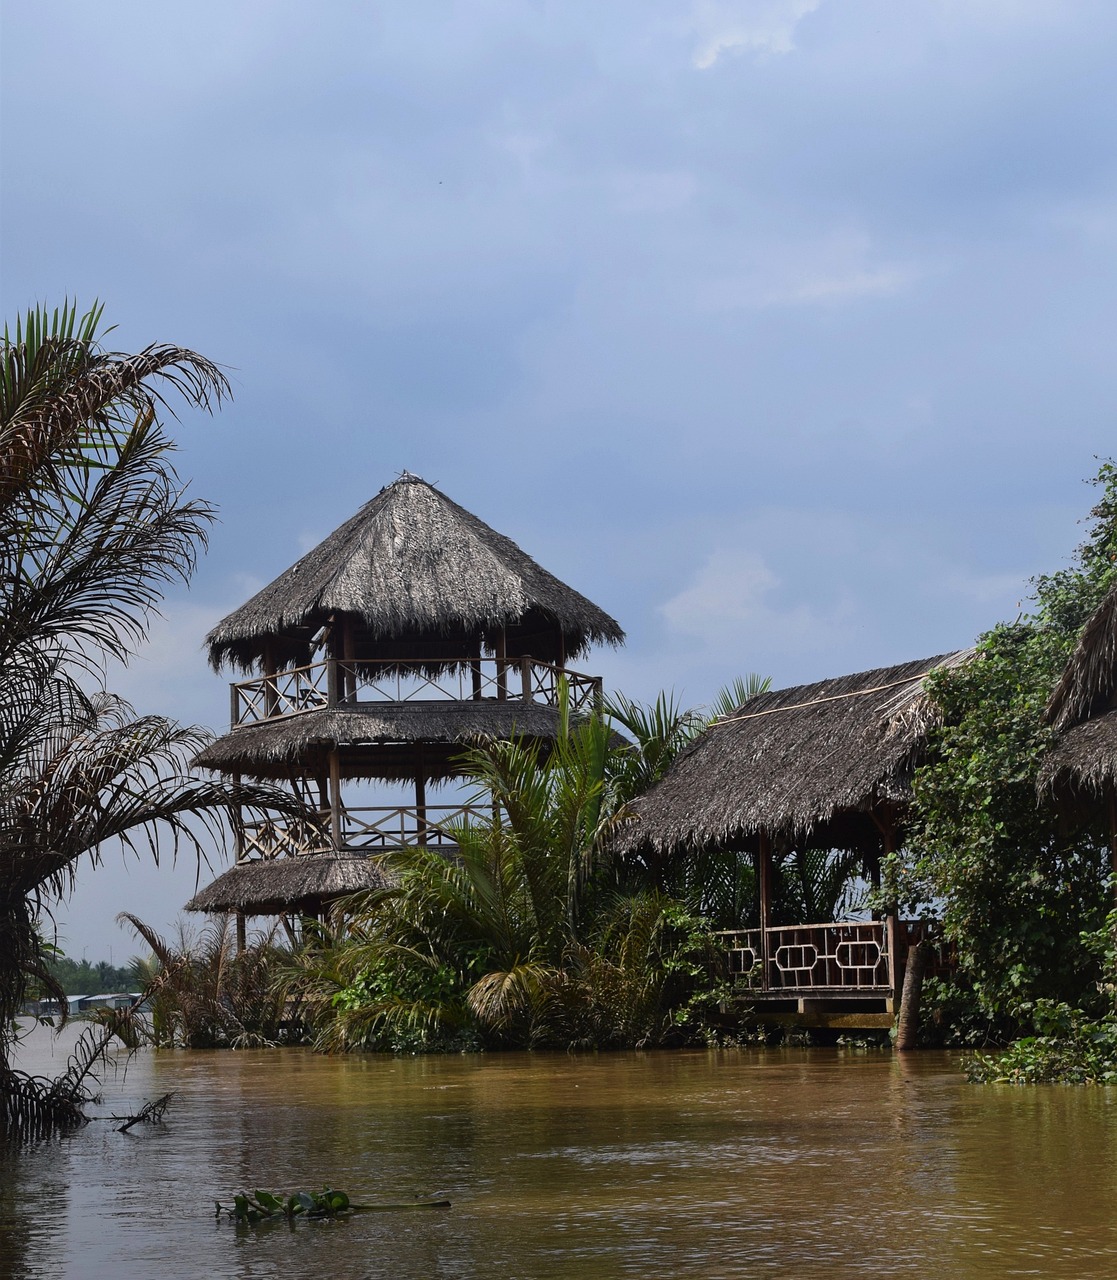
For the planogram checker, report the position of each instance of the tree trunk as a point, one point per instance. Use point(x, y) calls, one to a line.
point(908, 1026)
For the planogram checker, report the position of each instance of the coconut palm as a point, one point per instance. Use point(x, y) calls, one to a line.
point(94, 522)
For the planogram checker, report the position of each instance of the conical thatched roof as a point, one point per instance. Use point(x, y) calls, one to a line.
point(807, 763)
point(288, 885)
point(421, 578)
point(383, 740)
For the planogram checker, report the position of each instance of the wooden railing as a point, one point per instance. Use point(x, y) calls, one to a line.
point(366, 829)
point(332, 683)
point(850, 956)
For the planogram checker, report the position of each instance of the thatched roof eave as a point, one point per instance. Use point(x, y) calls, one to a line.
point(818, 764)
point(284, 885)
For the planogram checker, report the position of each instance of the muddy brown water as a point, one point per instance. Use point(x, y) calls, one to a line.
point(796, 1163)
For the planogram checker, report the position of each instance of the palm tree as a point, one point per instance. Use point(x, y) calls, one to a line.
point(94, 522)
point(534, 933)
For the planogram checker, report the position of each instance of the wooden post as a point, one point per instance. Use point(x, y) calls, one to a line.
point(337, 836)
point(331, 682)
point(349, 655)
point(764, 877)
point(525, 678)
point(242, 939)
point(502, 665)
point(234, 705)
point(271, 699)
point(238, 826)
point(475, 668)
point(421, 808)
point(887, 827)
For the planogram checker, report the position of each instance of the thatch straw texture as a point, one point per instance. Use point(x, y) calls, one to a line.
point(810, 763)
point(1088, 684)
point(288, 884)
point(422, 578)
point(1083, 761)
point(378, 740)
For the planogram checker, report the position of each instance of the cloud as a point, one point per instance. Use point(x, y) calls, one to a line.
point(730, 607)
point(737, 26)
point(825, 270)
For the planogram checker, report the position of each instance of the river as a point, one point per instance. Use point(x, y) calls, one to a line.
point(752, 1162)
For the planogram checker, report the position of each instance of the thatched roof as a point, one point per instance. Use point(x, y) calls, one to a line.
point(808, 763)
point(1083, 760)
point(1088, 686)
point(403, 739)
point(269, 888)
point(421, 578)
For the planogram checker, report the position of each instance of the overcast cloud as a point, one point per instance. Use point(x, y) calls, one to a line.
point(783, 329)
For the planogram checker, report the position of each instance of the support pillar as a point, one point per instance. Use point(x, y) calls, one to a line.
point(421, 808)
point(337, 837)
point(501, 666)
point(764, 878)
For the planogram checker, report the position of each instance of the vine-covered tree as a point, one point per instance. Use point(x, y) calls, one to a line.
point(1022, 892)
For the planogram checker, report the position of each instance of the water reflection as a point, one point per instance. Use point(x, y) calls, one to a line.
point(759, 1163)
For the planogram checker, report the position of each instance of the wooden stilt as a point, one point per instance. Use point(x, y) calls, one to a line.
point(242, 940)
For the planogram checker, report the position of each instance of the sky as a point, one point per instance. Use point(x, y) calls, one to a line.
point(782, 329)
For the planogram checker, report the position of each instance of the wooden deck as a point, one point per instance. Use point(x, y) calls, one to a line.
point(334, 683)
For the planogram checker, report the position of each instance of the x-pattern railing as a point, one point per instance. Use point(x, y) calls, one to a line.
point(331, 683)
point(364, 829)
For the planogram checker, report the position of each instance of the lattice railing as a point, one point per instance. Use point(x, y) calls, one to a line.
point(852, 955)
point(333, 683)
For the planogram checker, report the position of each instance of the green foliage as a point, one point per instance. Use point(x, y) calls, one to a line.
point(1069, 1049)
point(251, 1207)
point(1017, 889)
point(79, 977)
point(204, 994)
point(535, 933)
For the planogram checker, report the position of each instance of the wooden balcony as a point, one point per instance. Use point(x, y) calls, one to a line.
point(333, 683)
point(365, 831)
point(850, 960)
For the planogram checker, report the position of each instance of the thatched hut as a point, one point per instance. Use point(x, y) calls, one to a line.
point(1080, 770)
point(822, 766)
point(412, 631)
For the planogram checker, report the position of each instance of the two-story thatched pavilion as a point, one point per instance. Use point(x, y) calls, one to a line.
point(412, 631)
point(820, 766)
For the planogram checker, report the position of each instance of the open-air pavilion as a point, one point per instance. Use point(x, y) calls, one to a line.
point(412, 632)
point(825, 766)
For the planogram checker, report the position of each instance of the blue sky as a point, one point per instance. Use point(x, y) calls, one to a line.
point(783, 329)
